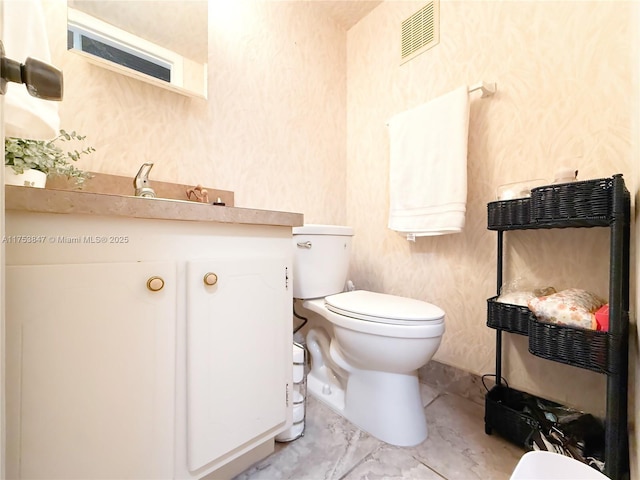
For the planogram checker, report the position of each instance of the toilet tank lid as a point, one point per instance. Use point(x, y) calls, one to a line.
point(312, 229)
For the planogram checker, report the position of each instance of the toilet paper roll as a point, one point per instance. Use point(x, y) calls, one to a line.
point(298, 373)
point(297, 397)
point(298, 354)
point(291, 434)
point(298, 413)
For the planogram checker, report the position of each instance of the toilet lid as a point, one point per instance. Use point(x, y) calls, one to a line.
point(383, 308)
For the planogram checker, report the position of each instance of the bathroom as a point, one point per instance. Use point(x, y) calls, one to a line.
point(299, 93)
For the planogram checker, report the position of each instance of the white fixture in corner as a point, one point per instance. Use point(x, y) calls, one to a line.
point(367, 369)
point(539, 465)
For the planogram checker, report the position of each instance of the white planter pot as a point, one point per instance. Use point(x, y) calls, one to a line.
point(30, 178)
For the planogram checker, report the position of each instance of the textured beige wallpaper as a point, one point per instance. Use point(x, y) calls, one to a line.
point(296, 121)
point(564, 75)
point(273, 129)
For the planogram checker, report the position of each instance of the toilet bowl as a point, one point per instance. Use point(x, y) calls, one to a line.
point(364, 360)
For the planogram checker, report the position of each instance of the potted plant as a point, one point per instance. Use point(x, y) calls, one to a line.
point(29, 162)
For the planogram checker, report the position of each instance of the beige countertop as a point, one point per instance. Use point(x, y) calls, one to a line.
point(45, 200)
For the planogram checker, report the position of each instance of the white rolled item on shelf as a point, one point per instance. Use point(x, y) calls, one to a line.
point(297, 429)
point(292, 433)
point(298, 394)
point(298, 373)
point(298, 354)
point(298, 413)
point(298, 363)
point(298, 407)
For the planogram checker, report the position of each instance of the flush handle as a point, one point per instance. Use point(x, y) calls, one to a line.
point(210, 279)
point(304, 244)
point(155, 284)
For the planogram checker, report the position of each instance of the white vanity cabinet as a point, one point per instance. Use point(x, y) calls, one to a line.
point(107, 378)
point(91, 351)
point(233, 342)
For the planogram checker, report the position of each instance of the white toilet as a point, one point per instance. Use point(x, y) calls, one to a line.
point(366, 368)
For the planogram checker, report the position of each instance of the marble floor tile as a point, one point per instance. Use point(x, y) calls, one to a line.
point(446, 378)
point(334, 449)
point(330, 447)
point(428, 394)
point(457, 447)
point(391, 463)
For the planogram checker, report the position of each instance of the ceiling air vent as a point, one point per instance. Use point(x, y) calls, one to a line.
point(420, 31)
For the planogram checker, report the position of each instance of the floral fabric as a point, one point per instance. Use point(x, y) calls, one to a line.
point(572, 307)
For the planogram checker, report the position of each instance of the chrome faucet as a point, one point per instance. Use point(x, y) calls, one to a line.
point(141, 182)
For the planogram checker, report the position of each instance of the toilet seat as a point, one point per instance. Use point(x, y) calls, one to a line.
point(384, 309)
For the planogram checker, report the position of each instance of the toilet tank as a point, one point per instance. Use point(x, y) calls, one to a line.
point(320, 260)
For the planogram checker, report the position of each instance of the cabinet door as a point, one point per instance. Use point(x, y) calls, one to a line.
point(91, 370)
point(238, 355)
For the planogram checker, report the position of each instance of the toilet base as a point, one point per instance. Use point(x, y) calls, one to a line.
point(385, 405)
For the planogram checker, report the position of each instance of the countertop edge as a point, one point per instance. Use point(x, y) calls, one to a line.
point(44, 200)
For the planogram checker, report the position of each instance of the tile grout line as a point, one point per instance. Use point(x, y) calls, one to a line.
point(430, 468)
point(362, 460)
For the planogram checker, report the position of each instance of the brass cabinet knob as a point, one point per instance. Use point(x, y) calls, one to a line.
point(155, 284)
point(210, 278)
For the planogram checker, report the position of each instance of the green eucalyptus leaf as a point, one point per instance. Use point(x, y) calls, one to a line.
point(46, 156)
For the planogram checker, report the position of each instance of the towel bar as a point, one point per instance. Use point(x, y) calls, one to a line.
point(487, 89)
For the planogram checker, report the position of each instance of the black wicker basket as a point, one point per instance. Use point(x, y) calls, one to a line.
point(590, 349)
point(589, 199)
point(508, 317)
point(504, 413)
point(508, 213)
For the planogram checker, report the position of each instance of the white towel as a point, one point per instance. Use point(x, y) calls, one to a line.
point(428, 166)
point(25, 35)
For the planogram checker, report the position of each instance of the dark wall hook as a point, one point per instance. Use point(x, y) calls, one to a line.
point(41, 79)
